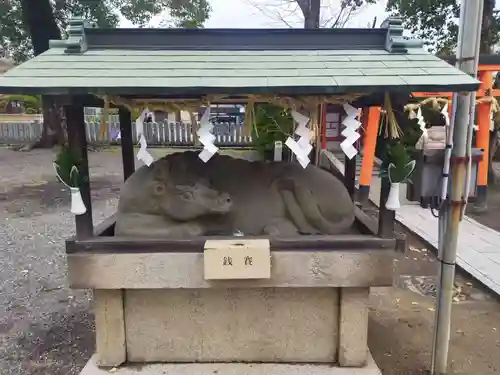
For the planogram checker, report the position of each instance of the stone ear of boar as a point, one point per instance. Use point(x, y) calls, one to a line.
point(160, 171)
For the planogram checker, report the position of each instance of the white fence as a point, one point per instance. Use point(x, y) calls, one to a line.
point(157, 134)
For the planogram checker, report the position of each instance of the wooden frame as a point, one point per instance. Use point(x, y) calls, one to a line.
point(103, 241)
point(89, 239)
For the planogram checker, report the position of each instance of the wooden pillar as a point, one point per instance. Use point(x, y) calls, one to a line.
point(483, 137)
point(386, 218)
point(324, 109)
point(350, 175)
point(77, 141)
point(371, 119)
point(127, 144)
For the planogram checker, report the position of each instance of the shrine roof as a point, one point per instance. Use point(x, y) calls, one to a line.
point(155, 62)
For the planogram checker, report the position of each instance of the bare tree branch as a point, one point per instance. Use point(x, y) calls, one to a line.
point(272, 10)
point(338, 17)
point(313, 13)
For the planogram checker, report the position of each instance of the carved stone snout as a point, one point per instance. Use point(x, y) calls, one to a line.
point(224, 204)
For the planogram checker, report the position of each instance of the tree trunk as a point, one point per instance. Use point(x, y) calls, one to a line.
point(53, 131)
point(39, 18)
point(311, 12)
point(487, 29)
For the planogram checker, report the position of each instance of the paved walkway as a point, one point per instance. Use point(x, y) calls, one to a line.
point(478, 246)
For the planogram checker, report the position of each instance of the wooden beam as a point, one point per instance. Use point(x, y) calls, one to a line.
point(489, 67)
point(432, 94)
point(77, 141)
point(350, 175)
point(386, 218)
point(127, 144)
point(481, 93)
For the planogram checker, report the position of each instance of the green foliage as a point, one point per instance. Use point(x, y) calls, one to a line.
point(15, 39)
point(32, 104)
point(432, 21)
point(436, 22)
point(66, 166)
point(272, 123)
point(190, 14)
point(183, 13)
point(397, 165)
point(411, 134)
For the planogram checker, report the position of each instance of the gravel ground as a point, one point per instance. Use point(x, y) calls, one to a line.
point(46, 328)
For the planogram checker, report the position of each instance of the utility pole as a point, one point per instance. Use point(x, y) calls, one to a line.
point(471, 12)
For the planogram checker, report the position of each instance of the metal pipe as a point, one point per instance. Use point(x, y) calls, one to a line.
point(470, 16)
point(471, 120)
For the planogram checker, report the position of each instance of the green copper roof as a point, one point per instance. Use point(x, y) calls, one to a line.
point(184, 62)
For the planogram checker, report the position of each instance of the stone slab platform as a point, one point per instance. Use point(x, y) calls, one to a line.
point(231, 369)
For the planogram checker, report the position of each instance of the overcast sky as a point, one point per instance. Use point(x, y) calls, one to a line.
point(244, 14)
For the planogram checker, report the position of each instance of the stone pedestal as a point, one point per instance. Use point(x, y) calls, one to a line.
point(157, 307)
point(232, 369)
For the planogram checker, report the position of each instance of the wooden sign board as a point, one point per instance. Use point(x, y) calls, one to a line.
point(237, 259)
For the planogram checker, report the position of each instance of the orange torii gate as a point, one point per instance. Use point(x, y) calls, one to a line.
point(371, 118)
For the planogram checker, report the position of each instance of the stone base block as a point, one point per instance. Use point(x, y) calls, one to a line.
point(287, 325)
point(232, 369)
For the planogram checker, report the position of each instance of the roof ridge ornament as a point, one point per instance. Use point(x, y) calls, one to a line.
point(395, 42)
point(76, 42)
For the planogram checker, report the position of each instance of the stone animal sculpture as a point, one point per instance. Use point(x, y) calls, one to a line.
point(180, 196)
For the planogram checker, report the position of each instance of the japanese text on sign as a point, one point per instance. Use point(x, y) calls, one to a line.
point(237, 259)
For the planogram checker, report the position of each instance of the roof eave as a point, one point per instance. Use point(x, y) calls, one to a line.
point(285, 90)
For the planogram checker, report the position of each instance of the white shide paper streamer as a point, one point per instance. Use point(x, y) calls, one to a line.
point(421, 143)
point(142, 155)
point(206, 137)
point(302, 147)
point(350, 132)
point(446, 115)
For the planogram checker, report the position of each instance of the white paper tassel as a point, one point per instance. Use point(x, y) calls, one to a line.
point(446, 115)
point(421, 121)
point(302, 157)
point(206, 137)
point(77, 205)
point(302, 148)
point(420, 145)
point(393, 198)
point(350, 132)
point(143, 155)
point(139, 123)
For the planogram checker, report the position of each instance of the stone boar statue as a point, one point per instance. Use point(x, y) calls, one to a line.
point(181, 196)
